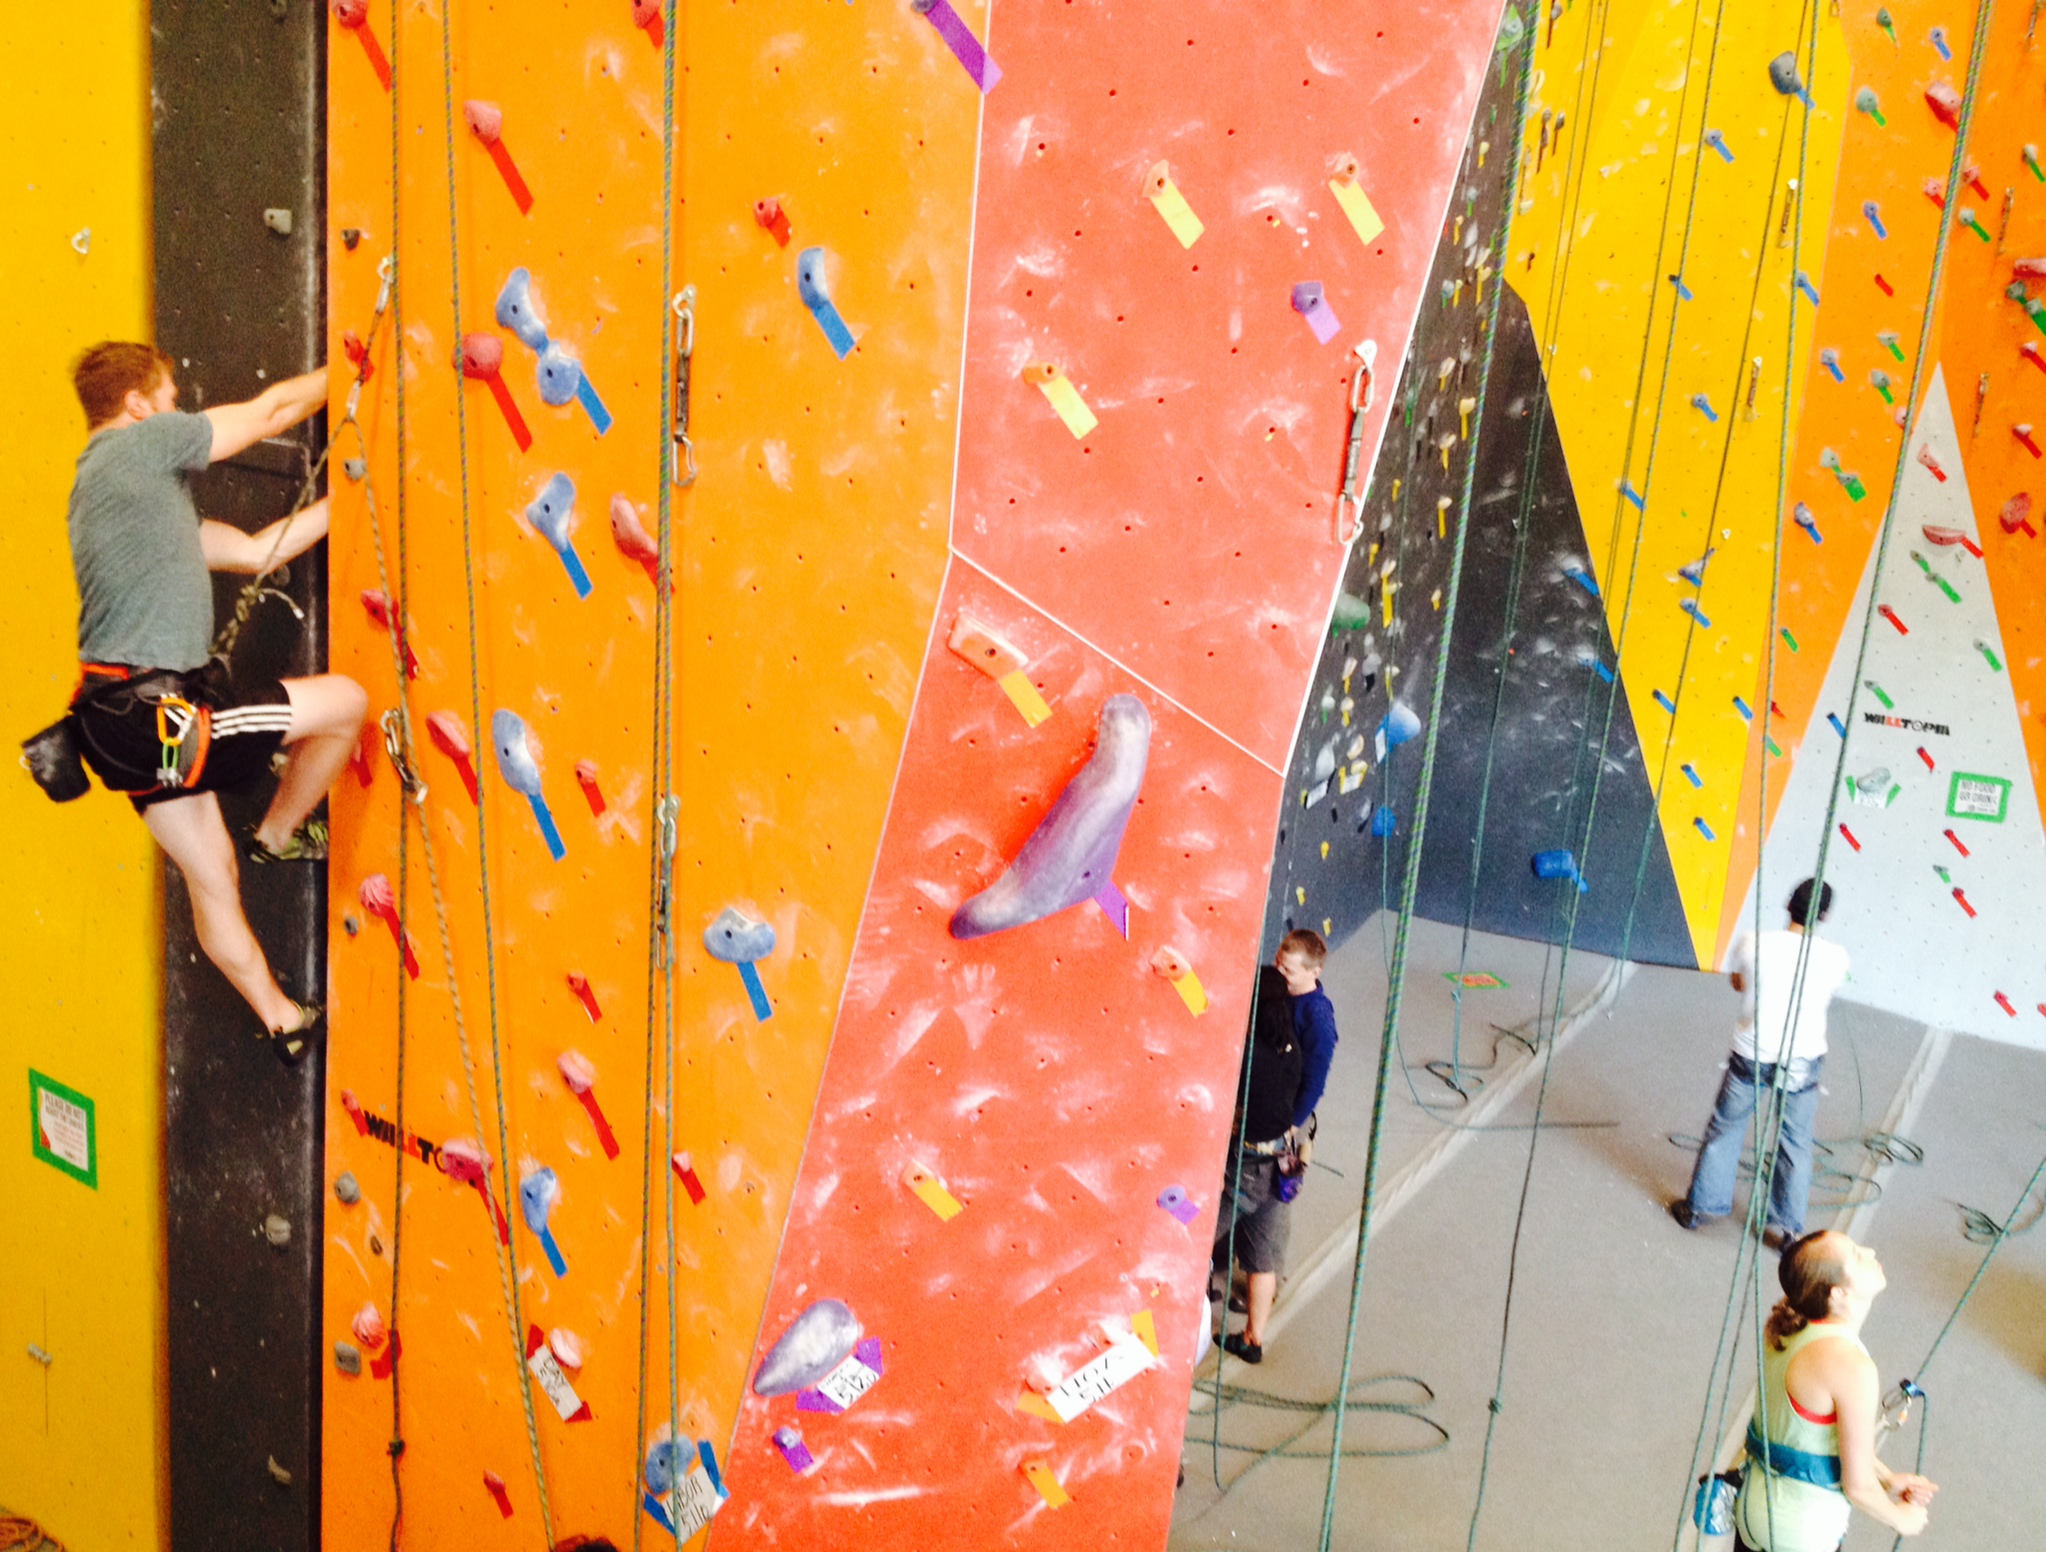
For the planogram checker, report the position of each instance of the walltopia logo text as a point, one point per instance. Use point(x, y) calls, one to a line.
point(1912, 723)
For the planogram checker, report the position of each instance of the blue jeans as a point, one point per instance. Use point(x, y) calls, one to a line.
point(1712, 1179)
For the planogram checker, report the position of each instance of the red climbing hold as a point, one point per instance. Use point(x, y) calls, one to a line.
point(1963, 850)
point(494, 1484)
point(646, 14)
point(1891, 615)
point(381, 901)
point(452, 740)
point(378, 607)
point(1851, 841)
point(581, 987)
point(483, 360)
point(353, 15)
point(586, 778)
point(2005, 1003)
point(486, 123)
point(1963, 901)
point(769, 214)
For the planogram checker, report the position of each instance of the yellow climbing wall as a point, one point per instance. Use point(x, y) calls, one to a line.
point(1607, 219)
point(809, 554)
point(81, 1440)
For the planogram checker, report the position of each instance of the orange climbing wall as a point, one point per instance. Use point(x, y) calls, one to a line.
point(1182, 552)
point(809, 553)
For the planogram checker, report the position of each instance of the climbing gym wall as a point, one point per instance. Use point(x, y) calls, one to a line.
point(81, 1306)
point(1716, 686)
point(1009, 1185)
point(1019, 391)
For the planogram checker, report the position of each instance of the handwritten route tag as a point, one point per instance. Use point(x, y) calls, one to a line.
point(553, 1378)
point(845, 1384)
point(1124, 1361)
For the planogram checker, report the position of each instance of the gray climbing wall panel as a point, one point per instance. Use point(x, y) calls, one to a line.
point(238, 96)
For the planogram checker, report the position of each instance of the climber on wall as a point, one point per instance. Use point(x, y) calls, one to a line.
point(157, 717)
point(1292, 1041)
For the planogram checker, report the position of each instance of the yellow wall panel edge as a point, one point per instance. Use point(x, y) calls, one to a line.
point(81, 1440)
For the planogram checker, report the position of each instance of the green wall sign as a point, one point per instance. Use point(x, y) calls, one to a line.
point(62, 1127)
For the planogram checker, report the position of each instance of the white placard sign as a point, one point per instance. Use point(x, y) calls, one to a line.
point(1123, 1362)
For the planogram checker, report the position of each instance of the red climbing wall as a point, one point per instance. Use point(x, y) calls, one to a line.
point(1182, 551)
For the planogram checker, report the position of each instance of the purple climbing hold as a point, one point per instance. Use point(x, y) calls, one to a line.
point(1071, 856)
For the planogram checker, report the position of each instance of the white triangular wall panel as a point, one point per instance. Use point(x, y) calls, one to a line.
point(1916, 950)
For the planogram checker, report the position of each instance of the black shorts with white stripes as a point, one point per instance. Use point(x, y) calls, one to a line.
point(228, 733)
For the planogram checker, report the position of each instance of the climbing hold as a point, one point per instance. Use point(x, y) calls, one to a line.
point(1939, 41)
point(1633, 497)
point(580, 1075)
point(1401, 724)
point(1783, 76)
point(1071, 855)
point(368, 1326)
point(1684, 292)
point(1880, 380)
point(1890, 342)
point(381, 901)
point(646, 15)
point(347, 1190)
point(1691, 775)
point(586, 778)
point(1891, 615)
point(1690, 607)
point(518, 763)
point(494, 1485)
point(1174, 966)
point(1883, 21)
point(378, 606)
point(1926, 458)
point(790, 1442)
point(1945, 103)
point(1063, 397)
point(2016, 515)
point(486, 123)
point(2031, 155)
point(1356, 204)
point(1704, 407)
point(1311, 303)
point(684, 1488)
point(566, 1346)
point(847, 1382)
point(1384, 821)
point(1559, 863)
point(2023, 432)
point(816, 1342)
point(1830, 360)
point(347, 1358)
point(686, 1173)
point(1703, 828)
point(539, 1191)
point(277, 1473)
point(1873, 211)
point(1174, 1199)
point(1884, 286)
point(561, 375)
point(1717, 141)
point(81, 241)
point(1973, 223)
point(1693, 572)
point(770, 217)
point(353, 16)
point(1868, 103)
point(815, 290)
point(930, 1190)
point(1804, 284)
point(277, 1230)
point(959, 38)
point(1959, 845)
point(466, 1163)
point(580, 985)
point(1961, 900)
point(980, 645)
point(548, 515)
point(2031, 352)
point(1936, 191)
point(451, 738)
point(1989, 655)
point(483, 361)
point(739, 940)
point(1849, 836)
point(1171, 205)
point(1664, 702)
point(634, 542)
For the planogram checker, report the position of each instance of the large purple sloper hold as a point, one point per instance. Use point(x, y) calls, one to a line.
point(1071, 855)
point(964, 45)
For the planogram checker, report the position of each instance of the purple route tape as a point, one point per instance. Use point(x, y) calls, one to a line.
point(1111, 900)
point(845, 1384)
point(1175, 1201)
point(960, 39)
point(1311, 303)
point(793, 1450)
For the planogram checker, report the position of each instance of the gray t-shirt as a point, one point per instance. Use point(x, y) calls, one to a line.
point(144, 594)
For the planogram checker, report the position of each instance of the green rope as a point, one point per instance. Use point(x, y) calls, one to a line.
point(508, 1254)
point(1410, 886)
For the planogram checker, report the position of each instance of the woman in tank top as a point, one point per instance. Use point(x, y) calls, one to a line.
point(1811, 1447)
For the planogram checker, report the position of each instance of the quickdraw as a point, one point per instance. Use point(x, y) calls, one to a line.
point(175, 719)
point(1350, 503)
point(393, 724)
point(682, 452)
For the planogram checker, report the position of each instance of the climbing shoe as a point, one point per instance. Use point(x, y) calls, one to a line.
point(1236, 1346)
point(308, 843)
point(295, 1042)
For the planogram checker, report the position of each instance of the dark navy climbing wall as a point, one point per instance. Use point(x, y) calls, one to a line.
point(238, 106)
point(1356, 762)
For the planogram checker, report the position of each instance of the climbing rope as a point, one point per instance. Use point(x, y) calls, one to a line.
point(400, 600)
point(1410, 886)
point(507, 1248)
